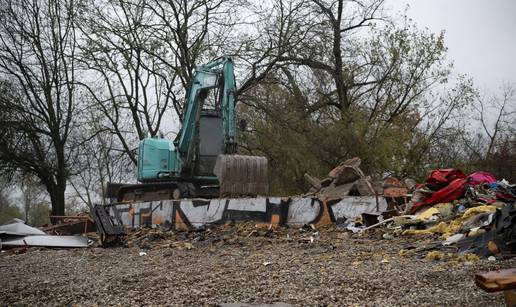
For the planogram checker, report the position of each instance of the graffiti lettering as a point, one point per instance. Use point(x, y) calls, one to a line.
point(193, 214)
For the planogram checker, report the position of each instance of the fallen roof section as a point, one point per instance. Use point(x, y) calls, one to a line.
point(18, 228)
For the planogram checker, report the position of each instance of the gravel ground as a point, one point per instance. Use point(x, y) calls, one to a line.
point(231, 265)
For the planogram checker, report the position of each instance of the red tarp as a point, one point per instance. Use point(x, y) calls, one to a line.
point(444, 195)
point(449, 184)
point(443, 177)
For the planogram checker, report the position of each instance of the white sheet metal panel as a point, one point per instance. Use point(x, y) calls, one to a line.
point(18, 228)
point(303, 211)
point(353, 206)
point(48, 241)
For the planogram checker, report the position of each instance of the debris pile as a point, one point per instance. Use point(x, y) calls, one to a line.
point(473, 214)
point(109, 227)
point(69, 232)
point(70, 224)
point(344, 180)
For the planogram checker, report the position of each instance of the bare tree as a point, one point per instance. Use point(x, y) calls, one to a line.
point(131, 88)
point(37, 49)
point(497, 116)
point(333, 26)
point(142, 55)
point(273, 33)
point(100, 163)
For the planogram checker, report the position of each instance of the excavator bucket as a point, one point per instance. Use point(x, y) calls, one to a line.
point(241, 175)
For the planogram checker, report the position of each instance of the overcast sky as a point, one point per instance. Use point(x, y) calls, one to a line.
point(480, 35)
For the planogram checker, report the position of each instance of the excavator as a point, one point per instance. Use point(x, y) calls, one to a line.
point(202, 161)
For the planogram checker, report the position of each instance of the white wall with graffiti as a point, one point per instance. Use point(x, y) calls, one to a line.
point(198, 213)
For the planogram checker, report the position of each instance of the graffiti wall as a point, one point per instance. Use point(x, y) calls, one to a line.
point(197, 213)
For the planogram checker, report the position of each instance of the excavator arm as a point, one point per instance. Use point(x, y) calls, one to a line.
point(218, 74)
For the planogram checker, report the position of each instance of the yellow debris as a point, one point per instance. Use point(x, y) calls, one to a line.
point(450, 228)
point(445, 209)
point(427, 214)
point(358, 221)
point(403, 253)
point(470, 257)
point(451, 257)
point(385, 260)
point(434, 255)
point(406, 221)
point(442, 227)
point(476, 232)
point(476, 210)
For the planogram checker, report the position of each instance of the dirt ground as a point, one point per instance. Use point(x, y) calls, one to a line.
point(244, 265)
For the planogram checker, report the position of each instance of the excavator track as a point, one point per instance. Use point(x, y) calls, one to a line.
point(241, 175)
point(238, 176)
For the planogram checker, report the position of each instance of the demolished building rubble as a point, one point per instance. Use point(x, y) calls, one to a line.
point(471, 214)
point(474, 214)
point(328, 204)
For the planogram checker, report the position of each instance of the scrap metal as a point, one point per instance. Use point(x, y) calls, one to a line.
point(110, 228)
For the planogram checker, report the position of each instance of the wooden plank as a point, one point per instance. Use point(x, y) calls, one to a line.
point(499, 280)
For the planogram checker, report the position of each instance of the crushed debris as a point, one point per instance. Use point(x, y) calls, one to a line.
point(462, 211)
point(47, 241)
point(472, 214)
point(70, 224)
point(110, 229)
point(447, 228)
point(344, 180)
point(17, 227)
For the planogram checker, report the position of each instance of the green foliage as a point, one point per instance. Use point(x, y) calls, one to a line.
point(9, 212)
point(39, 215)
point(296, 143)
point(297, 140)
point(379, 102)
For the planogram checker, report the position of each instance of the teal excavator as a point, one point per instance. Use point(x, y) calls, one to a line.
point(202, 160)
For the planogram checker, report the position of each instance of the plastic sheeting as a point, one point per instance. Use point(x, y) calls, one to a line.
point(480, 178)
point(440, 178)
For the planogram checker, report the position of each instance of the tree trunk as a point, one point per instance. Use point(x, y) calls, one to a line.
point(342, 91)
point(57, 197)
